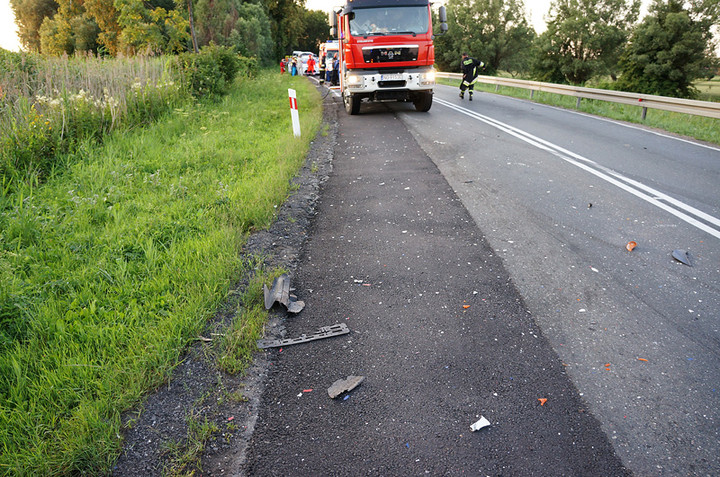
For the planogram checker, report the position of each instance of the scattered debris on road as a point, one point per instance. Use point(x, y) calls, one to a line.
point(631, 245)
point(344, 385)
point(480, 424)
point(542, 401)
point(280, 293)
point(324, 332)
point(682, 256)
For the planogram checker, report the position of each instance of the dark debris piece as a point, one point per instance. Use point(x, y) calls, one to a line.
point(344, 385)
point(280, 293)
point(682, 256)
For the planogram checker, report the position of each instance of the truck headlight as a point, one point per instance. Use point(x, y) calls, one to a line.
point(427, 78)
point(354, 80)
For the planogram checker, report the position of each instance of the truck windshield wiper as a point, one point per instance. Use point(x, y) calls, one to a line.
point(404, 33)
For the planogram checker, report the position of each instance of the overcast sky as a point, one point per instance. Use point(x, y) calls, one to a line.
point(8, 30)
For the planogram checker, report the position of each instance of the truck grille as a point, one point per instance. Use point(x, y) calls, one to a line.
point(390, 54)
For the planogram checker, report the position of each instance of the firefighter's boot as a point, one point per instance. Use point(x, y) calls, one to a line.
point(470, 95)
point(462, 94)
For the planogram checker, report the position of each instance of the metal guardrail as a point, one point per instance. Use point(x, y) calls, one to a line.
point(645, 101)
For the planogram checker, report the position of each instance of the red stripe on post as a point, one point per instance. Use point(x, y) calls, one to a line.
point(293, 103)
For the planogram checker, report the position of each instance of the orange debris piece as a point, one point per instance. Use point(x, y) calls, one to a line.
point(631, 245)
point(542, 401)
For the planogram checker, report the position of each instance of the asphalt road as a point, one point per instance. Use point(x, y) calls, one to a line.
point(558, 195)
point(438, 326)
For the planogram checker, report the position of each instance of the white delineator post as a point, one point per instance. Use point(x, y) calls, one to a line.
point(294, 112)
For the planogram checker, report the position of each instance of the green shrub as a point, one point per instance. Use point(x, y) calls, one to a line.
point(210, 72)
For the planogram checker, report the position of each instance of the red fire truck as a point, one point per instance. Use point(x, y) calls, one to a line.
point(386, 51)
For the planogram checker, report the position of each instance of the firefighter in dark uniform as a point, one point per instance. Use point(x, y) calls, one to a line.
point(470, 71)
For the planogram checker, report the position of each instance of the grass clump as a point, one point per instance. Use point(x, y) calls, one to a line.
point(111, 268)
point(237, 344)
point(184, 458)
point(699, 127)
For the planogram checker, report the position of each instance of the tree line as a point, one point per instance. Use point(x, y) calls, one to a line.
point(264, 29)
point(589, 40)
point(586, 40)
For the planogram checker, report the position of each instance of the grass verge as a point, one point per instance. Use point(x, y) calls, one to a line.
point(112, 267)
point(699, 127)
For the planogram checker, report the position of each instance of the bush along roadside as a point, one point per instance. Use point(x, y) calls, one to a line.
point(111, 268)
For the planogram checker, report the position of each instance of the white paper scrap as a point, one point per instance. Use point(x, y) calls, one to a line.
point(480, 424)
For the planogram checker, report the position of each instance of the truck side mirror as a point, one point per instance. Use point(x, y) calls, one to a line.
point(332, 20)
point(442, 13)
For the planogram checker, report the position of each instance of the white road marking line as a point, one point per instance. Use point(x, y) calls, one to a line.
point(613, 177)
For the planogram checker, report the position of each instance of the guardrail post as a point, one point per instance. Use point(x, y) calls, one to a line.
point(532, 93)
point(644, 110)
point(497, 88)
point(577, 103)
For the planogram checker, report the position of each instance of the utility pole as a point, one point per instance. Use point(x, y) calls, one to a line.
point(192, 26)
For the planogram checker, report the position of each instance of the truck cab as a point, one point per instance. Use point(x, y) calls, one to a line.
point(386, 51)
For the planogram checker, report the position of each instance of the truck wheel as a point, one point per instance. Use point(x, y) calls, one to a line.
point(423, 101)
point(352, 104)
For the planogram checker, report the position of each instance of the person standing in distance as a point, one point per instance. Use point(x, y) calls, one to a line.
point(470, 71)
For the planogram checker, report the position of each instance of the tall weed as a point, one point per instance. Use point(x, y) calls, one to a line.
point(52, 105)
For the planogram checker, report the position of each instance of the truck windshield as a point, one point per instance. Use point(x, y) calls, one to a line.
point(389, 21)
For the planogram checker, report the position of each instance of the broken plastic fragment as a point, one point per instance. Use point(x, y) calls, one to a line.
point(631, 245)
point(682, 256)
point(542, 401)
point(324, 332)
point(480, 424)
point(280, 293)
point(344, 385)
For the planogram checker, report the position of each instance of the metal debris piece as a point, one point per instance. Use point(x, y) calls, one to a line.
point(324, 332)
point(682, 256)
point(344, 385)
point(480, 424)
point(280, 293)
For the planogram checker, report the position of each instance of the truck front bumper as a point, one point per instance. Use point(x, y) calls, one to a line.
point(380, 83)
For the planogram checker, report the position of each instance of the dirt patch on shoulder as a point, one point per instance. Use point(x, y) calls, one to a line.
point(202, 411)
